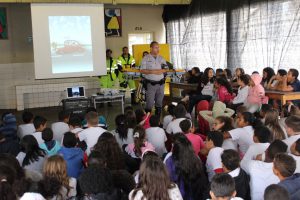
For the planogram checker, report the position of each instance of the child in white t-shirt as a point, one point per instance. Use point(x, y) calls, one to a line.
point(261, 172)
point(28, 127)
point(180, 115)
point(92, 133)
point(292, 124)
point(244, 134)
point(168, 118)
point(40, 123)
point(213, 145)
point(61, 127)
point(156, 135)
point(262, 137)
point(225, 124)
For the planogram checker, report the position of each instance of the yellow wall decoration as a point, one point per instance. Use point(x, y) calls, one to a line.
point(164, 51)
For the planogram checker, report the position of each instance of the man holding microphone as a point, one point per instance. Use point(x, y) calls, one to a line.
point(152, 69)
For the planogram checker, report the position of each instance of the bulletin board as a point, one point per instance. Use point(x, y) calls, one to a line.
point(164, 51)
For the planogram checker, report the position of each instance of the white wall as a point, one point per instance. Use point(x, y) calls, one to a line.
point(16, 53)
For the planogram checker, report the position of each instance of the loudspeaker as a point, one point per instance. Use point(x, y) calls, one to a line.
point(76, 105)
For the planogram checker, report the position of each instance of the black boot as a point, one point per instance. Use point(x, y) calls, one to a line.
point(133, 97)
point(158, 111)
point(148, 110)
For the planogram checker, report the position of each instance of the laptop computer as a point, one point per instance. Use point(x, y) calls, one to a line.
point(75, 92)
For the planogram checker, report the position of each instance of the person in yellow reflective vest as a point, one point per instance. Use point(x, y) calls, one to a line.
point(108, 80)
point(125, 61)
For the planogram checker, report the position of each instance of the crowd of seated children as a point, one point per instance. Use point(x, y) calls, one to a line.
point(260, 171)
point(245, 155)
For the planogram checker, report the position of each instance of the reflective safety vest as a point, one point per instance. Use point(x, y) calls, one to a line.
point(111, 65)
point(126, 62)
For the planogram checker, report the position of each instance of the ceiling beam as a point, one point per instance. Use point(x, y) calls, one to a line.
point(150, 2)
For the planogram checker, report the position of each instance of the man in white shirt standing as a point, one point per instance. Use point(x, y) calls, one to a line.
point(27, 128)
point(261, 172)
point(61, 127)
point(92, 133)
point(293, 130)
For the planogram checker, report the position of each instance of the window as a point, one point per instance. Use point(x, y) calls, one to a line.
point(139, 38)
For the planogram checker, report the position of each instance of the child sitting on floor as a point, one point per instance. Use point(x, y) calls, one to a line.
point(213, 144)
point(156, 136)
point(140, 145)
point(246, 123)
point(50, 146)
point(188, 130)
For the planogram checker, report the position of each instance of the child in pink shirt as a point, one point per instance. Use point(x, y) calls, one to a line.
point(255, 94)
point(224, 90)
point(188, 129)
point(140, 145)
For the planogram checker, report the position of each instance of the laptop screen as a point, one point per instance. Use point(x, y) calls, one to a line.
point(74, 92)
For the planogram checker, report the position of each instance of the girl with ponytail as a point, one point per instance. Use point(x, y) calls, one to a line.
point(140, 144)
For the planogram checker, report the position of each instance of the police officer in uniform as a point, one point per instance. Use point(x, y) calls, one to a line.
point(152, 69)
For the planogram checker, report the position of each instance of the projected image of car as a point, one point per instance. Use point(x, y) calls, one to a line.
point(70, 46)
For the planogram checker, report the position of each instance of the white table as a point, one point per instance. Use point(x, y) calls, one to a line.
point(109, 99)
